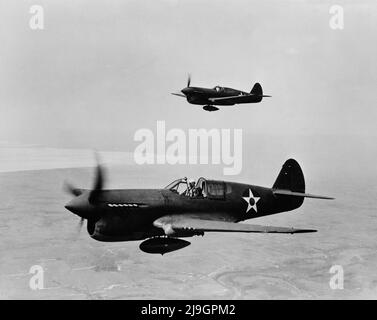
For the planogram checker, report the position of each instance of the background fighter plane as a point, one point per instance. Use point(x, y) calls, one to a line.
point(162, 216)
point(220, 96)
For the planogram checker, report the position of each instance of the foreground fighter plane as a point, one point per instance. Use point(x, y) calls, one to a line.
point(220, 96)
point(162, 216)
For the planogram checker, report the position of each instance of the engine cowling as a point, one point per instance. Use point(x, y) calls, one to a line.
point(163, 245)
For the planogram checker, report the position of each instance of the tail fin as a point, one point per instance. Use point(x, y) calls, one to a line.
point(257, 89)
point(289, 186)
point(290, 177)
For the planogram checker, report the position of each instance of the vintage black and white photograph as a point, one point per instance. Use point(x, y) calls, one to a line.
point(188, 150)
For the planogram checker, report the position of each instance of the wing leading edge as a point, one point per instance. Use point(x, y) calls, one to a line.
point(173, 223)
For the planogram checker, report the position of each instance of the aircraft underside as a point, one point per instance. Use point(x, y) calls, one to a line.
point(155, 239)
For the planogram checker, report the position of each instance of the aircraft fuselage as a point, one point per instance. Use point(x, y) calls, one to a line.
point(129, 214)
point(201, 96)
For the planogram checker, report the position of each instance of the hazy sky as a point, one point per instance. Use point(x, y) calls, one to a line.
point(102, 69)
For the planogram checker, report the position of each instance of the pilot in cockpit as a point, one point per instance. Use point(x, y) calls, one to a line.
point(198, 192)
point(191, 187)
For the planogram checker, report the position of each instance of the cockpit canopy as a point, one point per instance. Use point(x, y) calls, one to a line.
point(203, 188)
point(218, 88)
point(178, 186)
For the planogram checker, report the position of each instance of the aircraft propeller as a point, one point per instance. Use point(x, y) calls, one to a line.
point(182, 93)
point(69, 188)
point(98, 181)
point(79, 226)
point(80, 204)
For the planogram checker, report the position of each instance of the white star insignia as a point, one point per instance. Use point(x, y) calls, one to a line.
point(254, 201)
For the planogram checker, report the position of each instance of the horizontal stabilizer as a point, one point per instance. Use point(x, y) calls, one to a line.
point(299, 194)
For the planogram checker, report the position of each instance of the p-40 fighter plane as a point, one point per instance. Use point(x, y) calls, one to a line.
point(220, 96)
point(184, 209)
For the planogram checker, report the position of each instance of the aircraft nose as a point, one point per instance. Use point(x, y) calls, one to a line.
point(78, 206)
point(186, 90)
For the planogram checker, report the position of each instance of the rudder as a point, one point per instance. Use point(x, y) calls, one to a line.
point(257, 89)
point(290, 177)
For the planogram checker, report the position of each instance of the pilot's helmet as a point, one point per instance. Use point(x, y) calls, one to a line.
point(192, 183)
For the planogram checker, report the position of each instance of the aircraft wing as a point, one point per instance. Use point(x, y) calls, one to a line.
point(237, 99)
point(178, 94)
point(173, 223)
